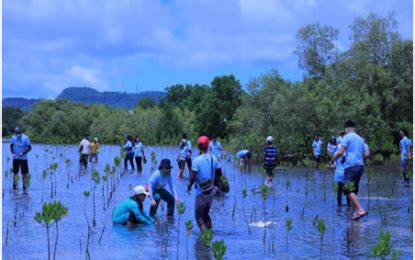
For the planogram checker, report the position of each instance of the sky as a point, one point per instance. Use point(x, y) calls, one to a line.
point(129, 45)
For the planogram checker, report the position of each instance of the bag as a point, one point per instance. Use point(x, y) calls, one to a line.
point(206, 187)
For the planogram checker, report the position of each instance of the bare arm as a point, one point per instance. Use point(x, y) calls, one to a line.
point(338, 154)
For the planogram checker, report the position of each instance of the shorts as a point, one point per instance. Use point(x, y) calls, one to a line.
point(317, 158)
point(20, 164)
point(182, 164)
point(352, 175)
point(203, 203)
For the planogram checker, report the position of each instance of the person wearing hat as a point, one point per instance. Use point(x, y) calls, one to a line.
point(131, 210)
point(317, 150)
point(189, 153)
point(270, 159)
point(94, 150)
point(19, 147)
point(204, 169)
point(244, 159)
point(157, 183)
point(182, 156)
point(405, 152)
point(352, 146)
point(84, 149)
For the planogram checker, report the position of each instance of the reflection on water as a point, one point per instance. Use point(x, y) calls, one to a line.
point(299, 194)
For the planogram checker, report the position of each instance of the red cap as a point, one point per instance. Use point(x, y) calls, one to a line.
point(203, 141)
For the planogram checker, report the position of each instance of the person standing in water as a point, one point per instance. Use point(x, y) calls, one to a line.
point(94, 150)
point(19, 147)
point(129, 152)
point(317, 150)
point(84, 149)
point(405, 153)
point(181, 157)
point(270, 159)
point(139, 154)
point(352, 146)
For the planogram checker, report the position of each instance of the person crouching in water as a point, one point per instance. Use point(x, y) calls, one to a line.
point(181, 158)
point(244, 159)
point(157, 183)
point(270, 159)
point(131, 211)
point(204, 169)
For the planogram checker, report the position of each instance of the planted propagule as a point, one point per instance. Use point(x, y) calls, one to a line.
point(288, 227)
point(96, 180)
point(181, 208)
point(383, 247)
point(321, 227)
point(207, 237)
point(219, 249)
point(189, 227)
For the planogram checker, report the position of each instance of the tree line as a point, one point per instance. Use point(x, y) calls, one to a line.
point(370, 83)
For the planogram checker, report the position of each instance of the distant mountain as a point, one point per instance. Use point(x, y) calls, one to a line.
point(22, 103)
point(88, 95)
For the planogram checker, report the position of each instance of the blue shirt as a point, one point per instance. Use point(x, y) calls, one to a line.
point(317, 147)
point(215, 148)
point(354, 146)
point(123, 210)
point(183, 153)
point(159, 181)
point(339, 168)
point(20, 143)
point(331, 148)
point(128, 146)
point(202, 166)
point(139, 149)
point(270, 155)
point(404, 143)
point(242, 153)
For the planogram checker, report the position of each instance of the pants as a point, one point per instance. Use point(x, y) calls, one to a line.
point(162, 194)
point(84, 161)
point(129, 157)
point(404, 166)
point(24, 169)
point(203, 203)
point(93, 155)
point(132, 219)
point(189, 163)
point(270, 170)
point(138, 163)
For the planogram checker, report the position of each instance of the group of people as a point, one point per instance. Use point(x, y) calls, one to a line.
point(134, 149)
point(347, 155)
point(88, 151)
point(204, 176)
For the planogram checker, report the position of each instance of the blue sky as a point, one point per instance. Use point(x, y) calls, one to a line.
point(49, 45)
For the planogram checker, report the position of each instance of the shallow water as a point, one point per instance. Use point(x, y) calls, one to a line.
point(308, 196)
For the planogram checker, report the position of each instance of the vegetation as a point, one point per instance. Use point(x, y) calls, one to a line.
point(371, 83)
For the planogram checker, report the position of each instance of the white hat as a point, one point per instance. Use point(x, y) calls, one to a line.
point(95, 139)
point(270, 139)
point(140, 190)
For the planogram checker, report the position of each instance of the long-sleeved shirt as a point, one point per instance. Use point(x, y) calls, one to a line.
point(159, 181)
point(123, 210)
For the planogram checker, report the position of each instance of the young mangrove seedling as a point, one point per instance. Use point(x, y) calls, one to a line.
point(181, 208)
point(207, 236)
point(219, 249)
point(321, 227)
point(96, 179)
point(383, 247)
point(288, 226)
point(59, 211)
point(189, 227)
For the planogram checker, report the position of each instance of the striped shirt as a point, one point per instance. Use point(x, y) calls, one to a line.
point(270, 155)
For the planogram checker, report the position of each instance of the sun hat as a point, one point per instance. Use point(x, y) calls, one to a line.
point(165, 163)
point(95, 139)
point(140, 190)
point(270, 139)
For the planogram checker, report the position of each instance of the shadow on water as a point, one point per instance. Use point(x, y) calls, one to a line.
point(303, 195)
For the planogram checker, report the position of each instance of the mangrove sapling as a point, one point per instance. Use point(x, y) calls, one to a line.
point(52, 169)
point(68, 173)
point(102, 234)
point(59, 211)
point(288, 227)
point(181, 208)
point(95, 179)
point(104, 179)
point(219, 249)
point(45, 218)
point(207, 237)
point(189, 227)
point(44, 174)
point(7, 233)
point(86, 195)
point(264, 190)
point(321, 227)
point(234, 209)
point(383, 247)
point(244, 195)
point(153, 160)
point(117, 164)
